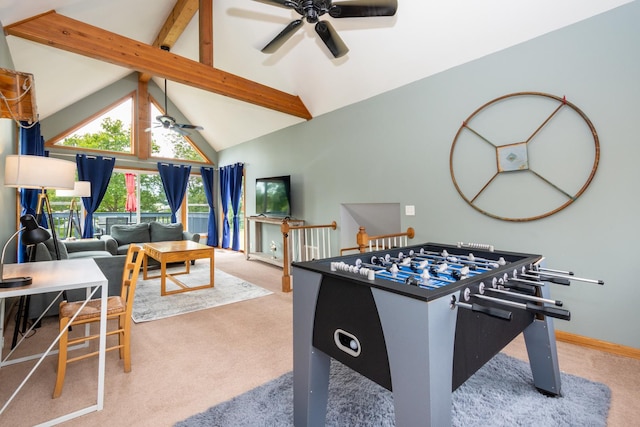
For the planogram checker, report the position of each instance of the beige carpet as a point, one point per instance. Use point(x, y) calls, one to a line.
point(185, 364)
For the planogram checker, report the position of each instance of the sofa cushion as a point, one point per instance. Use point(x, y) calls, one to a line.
point(165, 232)
point(88, 254)
point(52, 250)
point(134, 233)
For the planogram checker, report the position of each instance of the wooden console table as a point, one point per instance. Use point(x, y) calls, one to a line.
point(258, 253)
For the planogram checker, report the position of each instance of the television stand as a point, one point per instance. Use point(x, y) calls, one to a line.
point(267, 230)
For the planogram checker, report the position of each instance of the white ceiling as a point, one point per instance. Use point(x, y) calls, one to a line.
point(423, 38)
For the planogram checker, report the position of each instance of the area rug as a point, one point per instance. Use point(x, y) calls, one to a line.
point(500, 394)
point(150, 305)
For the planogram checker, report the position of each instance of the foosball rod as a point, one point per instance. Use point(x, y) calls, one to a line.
point(484, 265)
point(558, 313)
point(389, 264)
point(378, 269)
point(468, 258)
point(526, 297)
point(528, 282)
point(564, 276)
point(568, 273)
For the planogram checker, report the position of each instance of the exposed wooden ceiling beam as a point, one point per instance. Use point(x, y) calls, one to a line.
point(175, 24)
point(68, 34)
point(206, 32)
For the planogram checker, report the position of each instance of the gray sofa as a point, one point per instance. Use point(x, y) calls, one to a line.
point(124, 234)
point(111, 265)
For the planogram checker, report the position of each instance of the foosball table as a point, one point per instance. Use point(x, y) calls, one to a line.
point(419, 321)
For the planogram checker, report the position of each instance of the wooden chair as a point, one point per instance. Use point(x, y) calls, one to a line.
point(118, 307)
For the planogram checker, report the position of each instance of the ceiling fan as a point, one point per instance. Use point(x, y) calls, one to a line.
point(168, 122)
point(311, 10)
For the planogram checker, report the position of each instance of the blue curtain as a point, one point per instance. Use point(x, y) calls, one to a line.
point(98, 171)
point(231, 190)
point(236, 193)
point(225, 187)
point(31, 143)
point(212, 227)
point(174, 180)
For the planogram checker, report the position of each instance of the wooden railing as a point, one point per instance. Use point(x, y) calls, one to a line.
point(303, 243)
point(368, 243)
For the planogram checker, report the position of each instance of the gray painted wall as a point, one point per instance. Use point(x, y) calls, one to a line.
point(394, 148)
point(7, 146)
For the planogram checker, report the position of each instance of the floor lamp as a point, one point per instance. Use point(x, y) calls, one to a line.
point(38, 172)
point(80, 189)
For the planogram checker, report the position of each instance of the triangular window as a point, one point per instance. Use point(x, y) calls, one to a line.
point(168, 144)
point(109, 130)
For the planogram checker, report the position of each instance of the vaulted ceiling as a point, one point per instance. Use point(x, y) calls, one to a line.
point(218, 77)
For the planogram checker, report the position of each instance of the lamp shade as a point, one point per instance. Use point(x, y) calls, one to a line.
point(80, 189)
point(26, 171)
point(32, 233)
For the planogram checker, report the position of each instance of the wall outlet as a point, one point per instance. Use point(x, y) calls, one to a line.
point(409, 210)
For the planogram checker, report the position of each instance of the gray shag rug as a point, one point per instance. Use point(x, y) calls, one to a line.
point(150, 305)
point(501, 394)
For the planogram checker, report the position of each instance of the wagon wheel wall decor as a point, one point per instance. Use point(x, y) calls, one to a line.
point(524, 156)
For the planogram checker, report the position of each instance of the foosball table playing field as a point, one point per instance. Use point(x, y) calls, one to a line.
point(419, 321)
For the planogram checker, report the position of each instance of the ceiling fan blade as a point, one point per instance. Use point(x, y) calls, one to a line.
point(185, 126)
point(331, 38)
point(281, 38)
point(363, 8)
point(280, 3)
point(179, 130)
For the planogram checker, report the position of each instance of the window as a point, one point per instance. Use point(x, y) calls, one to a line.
point(109, 130)
point(169, 144)
point(197, 206)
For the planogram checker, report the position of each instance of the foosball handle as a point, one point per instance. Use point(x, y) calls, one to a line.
point(558, 313)
point(491, 311)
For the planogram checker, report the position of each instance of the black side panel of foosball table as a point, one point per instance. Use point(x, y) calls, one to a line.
point(348, 306)
point(480, 337)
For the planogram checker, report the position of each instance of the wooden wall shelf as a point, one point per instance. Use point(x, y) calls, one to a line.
point(17, 96)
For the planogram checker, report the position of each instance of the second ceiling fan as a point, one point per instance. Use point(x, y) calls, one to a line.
point(311, 10)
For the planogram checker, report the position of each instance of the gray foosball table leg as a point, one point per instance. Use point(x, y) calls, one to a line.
point(310, 365)
point(420, 350)
point(540, 338)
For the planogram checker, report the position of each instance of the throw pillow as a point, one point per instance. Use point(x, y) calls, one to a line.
point(134, 233)
point(62, 249)
point(165, 232)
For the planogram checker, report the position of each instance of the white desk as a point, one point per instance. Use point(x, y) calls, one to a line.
point(58, 276)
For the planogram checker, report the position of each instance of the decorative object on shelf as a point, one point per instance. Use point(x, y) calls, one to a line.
point(40, 172)
point(311, 12)
point(80, 189)
point(32, 234)
point(524, 156)
point(274, 248)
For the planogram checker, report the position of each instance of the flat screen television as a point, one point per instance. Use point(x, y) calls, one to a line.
point(273, 196)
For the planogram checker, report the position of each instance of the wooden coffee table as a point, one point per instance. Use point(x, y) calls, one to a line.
point(178, 251)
